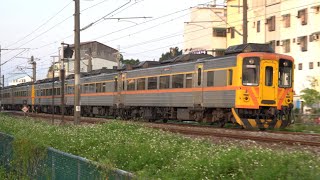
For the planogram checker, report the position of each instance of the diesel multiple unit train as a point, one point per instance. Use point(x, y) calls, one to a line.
point(250, 85)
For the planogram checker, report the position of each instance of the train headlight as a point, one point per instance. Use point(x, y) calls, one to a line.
point(251, 61)
point(285, 63)
point(288, 101)
point(246, 97)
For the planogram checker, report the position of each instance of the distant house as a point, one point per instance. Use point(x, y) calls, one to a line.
point(20, 80)
point(93, 55)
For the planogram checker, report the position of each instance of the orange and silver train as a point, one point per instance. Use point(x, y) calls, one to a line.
point(250, 85)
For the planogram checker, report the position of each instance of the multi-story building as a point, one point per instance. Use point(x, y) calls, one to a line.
point(93, 55)
point(206, 31)
point(292, 27)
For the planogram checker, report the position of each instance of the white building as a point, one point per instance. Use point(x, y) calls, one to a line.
point(292, 27)
point(92, 52)
point(206, 31)
point(20, 80)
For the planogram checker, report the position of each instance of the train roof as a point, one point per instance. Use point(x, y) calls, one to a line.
point(250, 47)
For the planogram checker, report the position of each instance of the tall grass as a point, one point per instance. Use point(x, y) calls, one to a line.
point(153, 154)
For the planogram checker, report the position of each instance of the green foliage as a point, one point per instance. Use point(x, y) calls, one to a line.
point(154, 154)
point(129, 61)
point(174, 52)
point(308, 128)
point(310, 96)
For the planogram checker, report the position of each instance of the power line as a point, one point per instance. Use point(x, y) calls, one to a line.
point(42, 24)
point(140, 31)
point(83, 11)
point(103, 18)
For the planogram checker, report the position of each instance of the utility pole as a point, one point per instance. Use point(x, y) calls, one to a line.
point(245, 21)
point(118, 57)
point(0, 82)
point(34, 70)
point(77, 107)
point(34, 78)
point(62, 78)
point(52, 100)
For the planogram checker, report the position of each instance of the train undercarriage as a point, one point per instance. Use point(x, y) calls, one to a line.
point(263, 118)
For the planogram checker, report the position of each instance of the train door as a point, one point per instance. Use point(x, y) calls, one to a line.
point(268, 82)
point(198, 86)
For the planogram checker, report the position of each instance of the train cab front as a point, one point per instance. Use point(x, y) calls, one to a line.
point(264, 98)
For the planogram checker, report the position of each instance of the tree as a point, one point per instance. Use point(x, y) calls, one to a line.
point(310, 96)
point(174, 52)
point(129, 61)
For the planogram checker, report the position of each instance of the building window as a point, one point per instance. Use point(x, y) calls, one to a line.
point(286, 20)
point(316, 9)
point(300, 66)
point(271, 23)
point(219, 32)
point(152, 83)
point(273, 44)
point(303, 42)
point(232, 32)
point(286, 45)
point(310, 65)
point(258, 26)
point(318, 64)
point(303, 15)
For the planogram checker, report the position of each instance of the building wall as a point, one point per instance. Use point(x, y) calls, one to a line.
point(262, 10)
point(102, 56)
point(20, 80)
point(198, 32)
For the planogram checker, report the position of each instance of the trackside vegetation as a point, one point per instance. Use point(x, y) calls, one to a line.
point(154, 154)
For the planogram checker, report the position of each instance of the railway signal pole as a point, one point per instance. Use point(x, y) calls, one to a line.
point(77, 107)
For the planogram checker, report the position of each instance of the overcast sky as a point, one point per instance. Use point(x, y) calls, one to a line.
point(41, 25)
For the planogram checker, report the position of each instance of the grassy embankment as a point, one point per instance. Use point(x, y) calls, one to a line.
point(156, 154)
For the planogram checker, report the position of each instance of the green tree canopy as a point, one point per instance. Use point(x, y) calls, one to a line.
point(129, 61)
point(310, 96)
point(174, 52)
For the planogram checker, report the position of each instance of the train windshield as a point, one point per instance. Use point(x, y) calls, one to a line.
point(285, 73)
point(250, 71)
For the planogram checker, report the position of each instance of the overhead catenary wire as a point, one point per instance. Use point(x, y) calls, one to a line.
point(42, 25)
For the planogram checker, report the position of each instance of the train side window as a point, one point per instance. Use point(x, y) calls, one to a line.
point(188, 80)
point(103, 89)
point(141, 84)
point(116, 84)
point(131, 84)
point(98, 87)
point(152, 82)
point(91, 88)
point(199, 76)
point(177, 81)
point(164, 82)
point(58, 91)
point(230, 75)
point(269, 76)
point(86, 88)
point(210, 78)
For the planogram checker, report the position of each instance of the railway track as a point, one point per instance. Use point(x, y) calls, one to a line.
point(295, 138)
